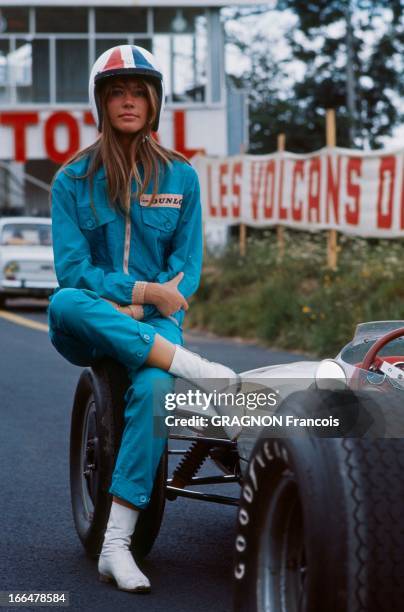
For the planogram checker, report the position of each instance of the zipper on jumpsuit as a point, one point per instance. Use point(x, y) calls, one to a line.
point(126, 250)
point(126, 253)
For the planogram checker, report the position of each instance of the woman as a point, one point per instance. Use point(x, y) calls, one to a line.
point(126, 223)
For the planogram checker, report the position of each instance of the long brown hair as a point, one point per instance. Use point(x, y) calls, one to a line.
point(107, 151)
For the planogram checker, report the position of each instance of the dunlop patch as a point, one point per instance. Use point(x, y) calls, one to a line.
point(166, 200)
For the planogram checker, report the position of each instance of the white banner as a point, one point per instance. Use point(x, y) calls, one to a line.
point(354, 192)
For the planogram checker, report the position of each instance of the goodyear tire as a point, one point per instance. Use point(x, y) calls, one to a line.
point(96, 431)
point(321, 520)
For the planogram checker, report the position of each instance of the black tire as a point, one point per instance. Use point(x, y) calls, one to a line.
point(96, 431)
point(321, 520)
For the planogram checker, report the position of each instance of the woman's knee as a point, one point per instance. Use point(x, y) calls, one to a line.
point(63, 304)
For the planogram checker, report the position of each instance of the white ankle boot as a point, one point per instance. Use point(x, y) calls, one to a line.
point(198, 370)
point(116, 563)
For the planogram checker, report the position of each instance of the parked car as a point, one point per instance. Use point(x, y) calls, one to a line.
point(26, 258)
point(320, 524)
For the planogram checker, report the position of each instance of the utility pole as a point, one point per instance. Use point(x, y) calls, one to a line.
point(350, 75)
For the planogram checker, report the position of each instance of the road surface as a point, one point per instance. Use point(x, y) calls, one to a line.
point(190, 566)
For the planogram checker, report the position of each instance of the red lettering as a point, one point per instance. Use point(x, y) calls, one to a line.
point(19, 123)
point(211, 207)
point(314, 188)
point(88, 118)
point(297, 207)
point(256, 181)
point(269, 177)
point(52, 123)
point(236, 188)
point(353, 169)
point(179, 135)
point(387, 167)
point(223, 170)
point(333, 189)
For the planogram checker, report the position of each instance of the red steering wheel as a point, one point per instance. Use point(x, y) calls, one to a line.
point(371, 356)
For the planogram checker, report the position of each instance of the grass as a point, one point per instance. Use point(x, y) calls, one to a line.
point(297, 303)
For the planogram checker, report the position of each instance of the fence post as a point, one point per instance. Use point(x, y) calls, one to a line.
point(280, 233)
point(242, 236)
point(332, 238)
point(242, 239)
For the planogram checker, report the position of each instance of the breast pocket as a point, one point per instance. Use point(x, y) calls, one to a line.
point(162, 221)
point(159, 225)
point(97, 222)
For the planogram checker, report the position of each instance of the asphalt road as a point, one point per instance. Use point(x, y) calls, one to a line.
point(190, 566)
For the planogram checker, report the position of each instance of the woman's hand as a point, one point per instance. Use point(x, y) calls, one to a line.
point(132, 310)
point(166, 296)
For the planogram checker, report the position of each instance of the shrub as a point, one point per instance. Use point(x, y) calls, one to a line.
point(297, 303)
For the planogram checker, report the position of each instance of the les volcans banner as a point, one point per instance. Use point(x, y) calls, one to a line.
point(359, 193)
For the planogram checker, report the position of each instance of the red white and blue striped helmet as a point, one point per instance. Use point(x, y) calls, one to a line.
point(125, 60)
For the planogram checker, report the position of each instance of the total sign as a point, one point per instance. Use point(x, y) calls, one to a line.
point(56, 134)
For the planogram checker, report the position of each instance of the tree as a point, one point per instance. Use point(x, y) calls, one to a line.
point(270, 110)
point(269, 94)
point(357, 65)
point(351, 56)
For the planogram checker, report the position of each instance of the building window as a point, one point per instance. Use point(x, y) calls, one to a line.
point(33, 86)
point(113, 20)
point(185, 86)
point(182, 52)
point(103, 44)
point(161, 49)
point(24, 71)
point(61, 20)
point(71, 70)
point(146, 43)
point(176, 20)
point(4, 72)
point(52, 65)
point(14, 20)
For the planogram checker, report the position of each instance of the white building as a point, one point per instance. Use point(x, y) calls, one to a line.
point(46, 51)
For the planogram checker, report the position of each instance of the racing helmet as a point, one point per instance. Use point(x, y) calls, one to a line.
point(125, 60)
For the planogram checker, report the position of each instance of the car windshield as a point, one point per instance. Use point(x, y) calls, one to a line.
point(366, 335)
point(26, 234)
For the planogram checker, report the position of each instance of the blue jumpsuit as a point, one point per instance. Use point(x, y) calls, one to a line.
point(101, 253)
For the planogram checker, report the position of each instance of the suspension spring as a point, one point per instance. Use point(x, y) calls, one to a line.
point(190, 464)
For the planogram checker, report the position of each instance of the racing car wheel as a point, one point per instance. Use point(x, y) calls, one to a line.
point(96, 431)
point(321, 522)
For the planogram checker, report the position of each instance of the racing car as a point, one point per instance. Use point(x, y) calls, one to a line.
point(320, 524)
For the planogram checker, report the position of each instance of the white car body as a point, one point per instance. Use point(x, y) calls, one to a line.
point(285, 379)
point(26, 265)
